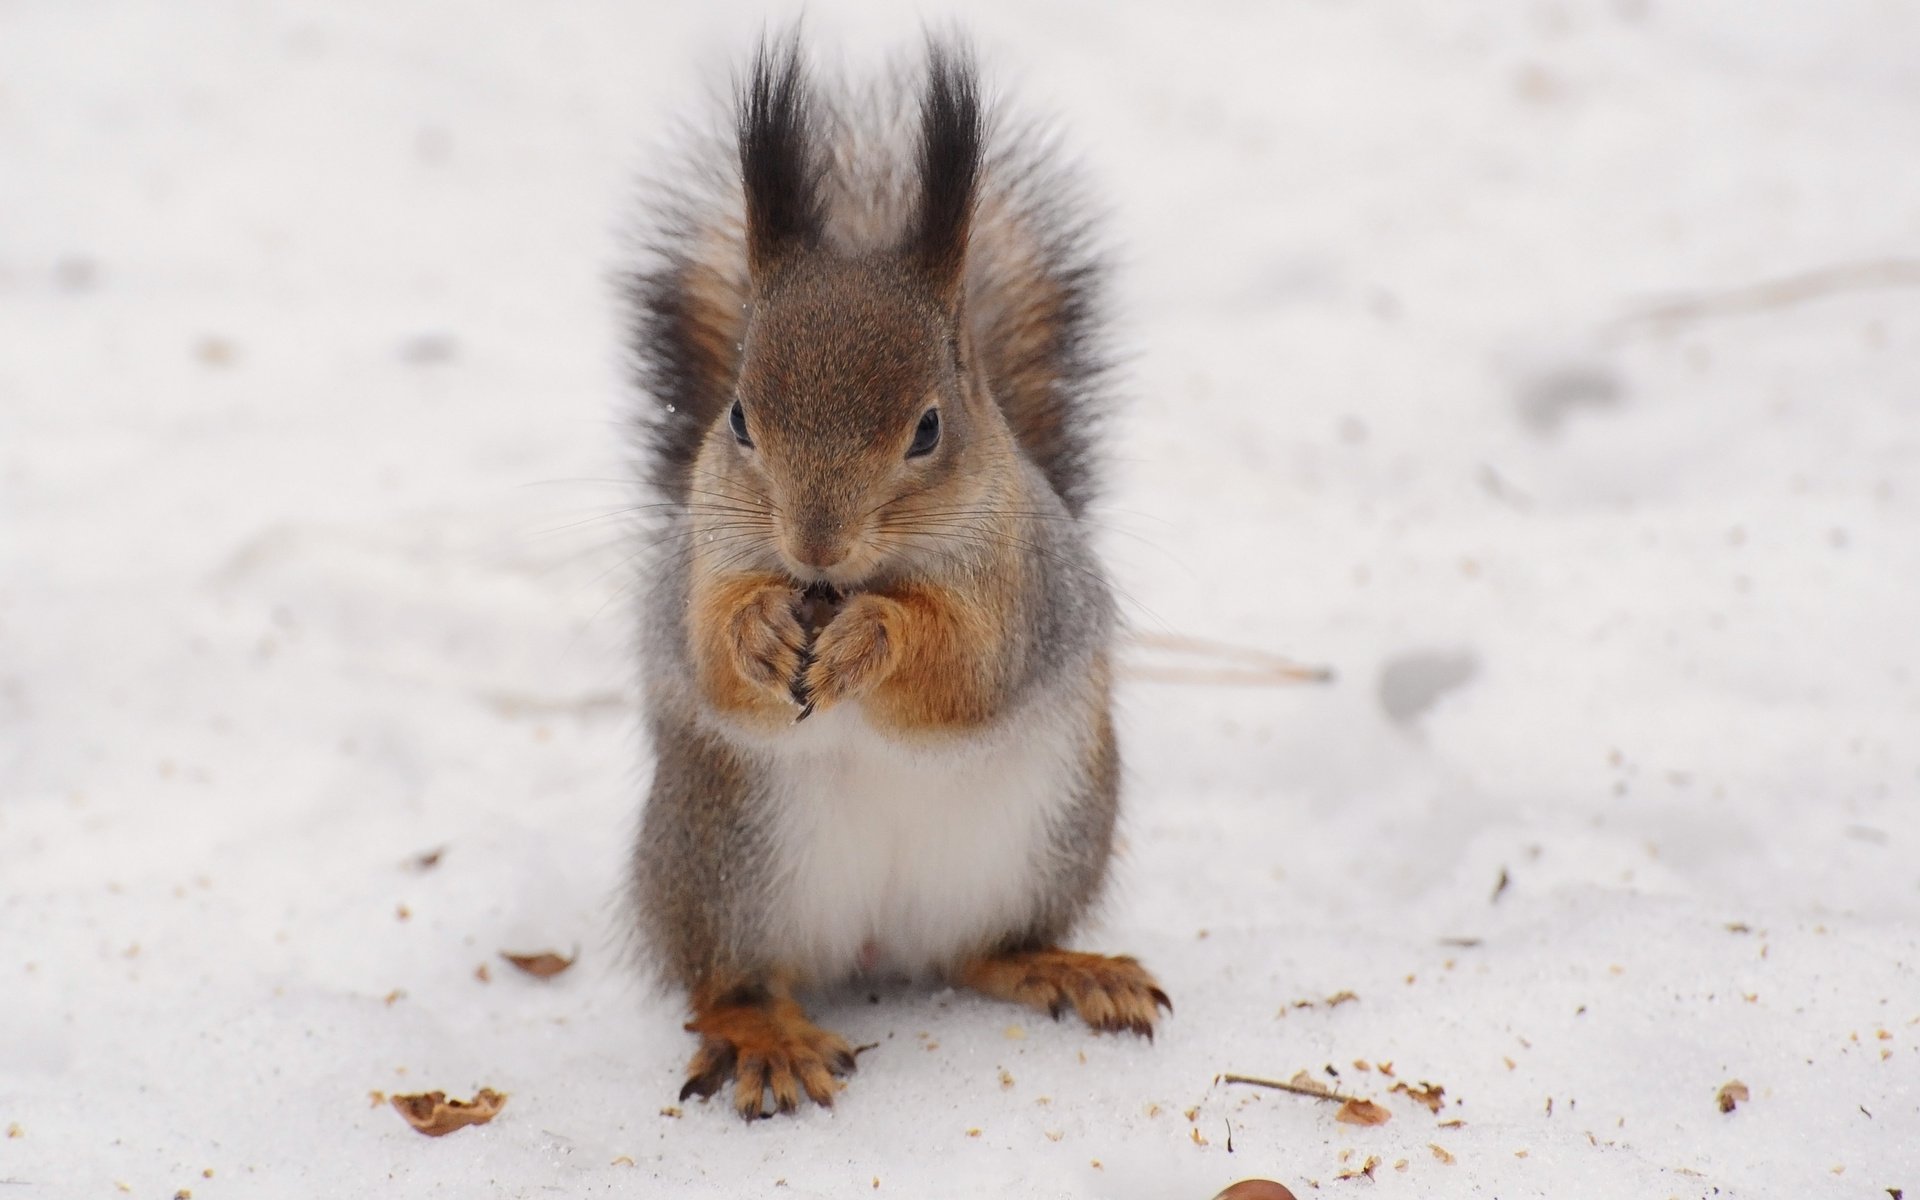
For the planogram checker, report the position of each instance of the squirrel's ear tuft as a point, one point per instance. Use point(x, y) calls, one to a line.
point(778, 163)
point(951, 136)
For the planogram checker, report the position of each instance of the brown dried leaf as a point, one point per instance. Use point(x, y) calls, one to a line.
point(1428, 1094)
point(1440, 1152)
point(544, 965)
point(1362, 1112)
point(1732, 1095)
point(436, 1116)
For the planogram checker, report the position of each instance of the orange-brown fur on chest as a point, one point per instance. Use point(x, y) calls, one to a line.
point(929, 656)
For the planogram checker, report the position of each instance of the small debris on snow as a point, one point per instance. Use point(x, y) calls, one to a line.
point(543, 965)
point(1428, 1094)
point(433, 1114)
point(1362, 1112)
point(1732, 1095)
point(1365, 1171)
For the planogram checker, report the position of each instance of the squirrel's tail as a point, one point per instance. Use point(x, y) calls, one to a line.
point(914, 165)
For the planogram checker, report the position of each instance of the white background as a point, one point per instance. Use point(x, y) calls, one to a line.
point(309, 355)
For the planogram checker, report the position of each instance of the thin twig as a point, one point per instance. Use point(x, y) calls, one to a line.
point(1775, 293)
point(1315, 1091)
point(1243, 665)
point(1225, 677)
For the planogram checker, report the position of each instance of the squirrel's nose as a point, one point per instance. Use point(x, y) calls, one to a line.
point(821, 558)
point(818, 547)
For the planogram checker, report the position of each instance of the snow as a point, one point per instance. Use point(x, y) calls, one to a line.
point(311, 560)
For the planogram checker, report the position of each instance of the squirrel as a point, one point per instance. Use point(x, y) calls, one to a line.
point(877, 644)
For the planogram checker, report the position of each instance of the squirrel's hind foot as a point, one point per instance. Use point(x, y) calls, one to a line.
point(1111, 994)
point(764, 1042)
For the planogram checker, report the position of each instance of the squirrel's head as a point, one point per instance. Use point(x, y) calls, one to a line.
point(858, 429)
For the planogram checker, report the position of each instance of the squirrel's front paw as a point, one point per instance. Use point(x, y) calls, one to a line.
point(752, 647)
point(858, 648)
point(768, 642)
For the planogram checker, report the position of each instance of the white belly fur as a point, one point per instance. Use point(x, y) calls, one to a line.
point(902, 858)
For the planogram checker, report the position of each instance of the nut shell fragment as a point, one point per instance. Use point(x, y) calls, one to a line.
point(544, 965)
point(1732, 1095)
point(433, 1114)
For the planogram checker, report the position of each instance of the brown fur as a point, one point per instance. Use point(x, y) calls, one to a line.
point(796, 341)
point(1110, 994)
point(949, 672)
point(749, 644)
point(1033, 298)
point(756, 1033)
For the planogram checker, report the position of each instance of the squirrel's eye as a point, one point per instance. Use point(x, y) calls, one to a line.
point(926, 435)
point(737, 421)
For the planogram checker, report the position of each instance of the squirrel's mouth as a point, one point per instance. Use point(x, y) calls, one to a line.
point(817, 605)
point(815, 608)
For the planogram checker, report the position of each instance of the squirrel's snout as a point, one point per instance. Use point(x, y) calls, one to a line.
point(818, 545)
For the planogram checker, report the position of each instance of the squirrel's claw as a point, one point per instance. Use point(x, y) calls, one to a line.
point(712, 1065)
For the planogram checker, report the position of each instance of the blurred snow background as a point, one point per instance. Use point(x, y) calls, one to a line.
point(309, 403)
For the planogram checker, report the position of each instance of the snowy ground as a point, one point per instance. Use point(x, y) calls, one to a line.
point(306, 350)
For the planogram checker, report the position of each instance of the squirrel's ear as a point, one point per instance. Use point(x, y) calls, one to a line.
point(778, 165)
point(951, 136)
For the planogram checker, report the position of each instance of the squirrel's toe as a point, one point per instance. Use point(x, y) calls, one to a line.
point(711, 1066)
